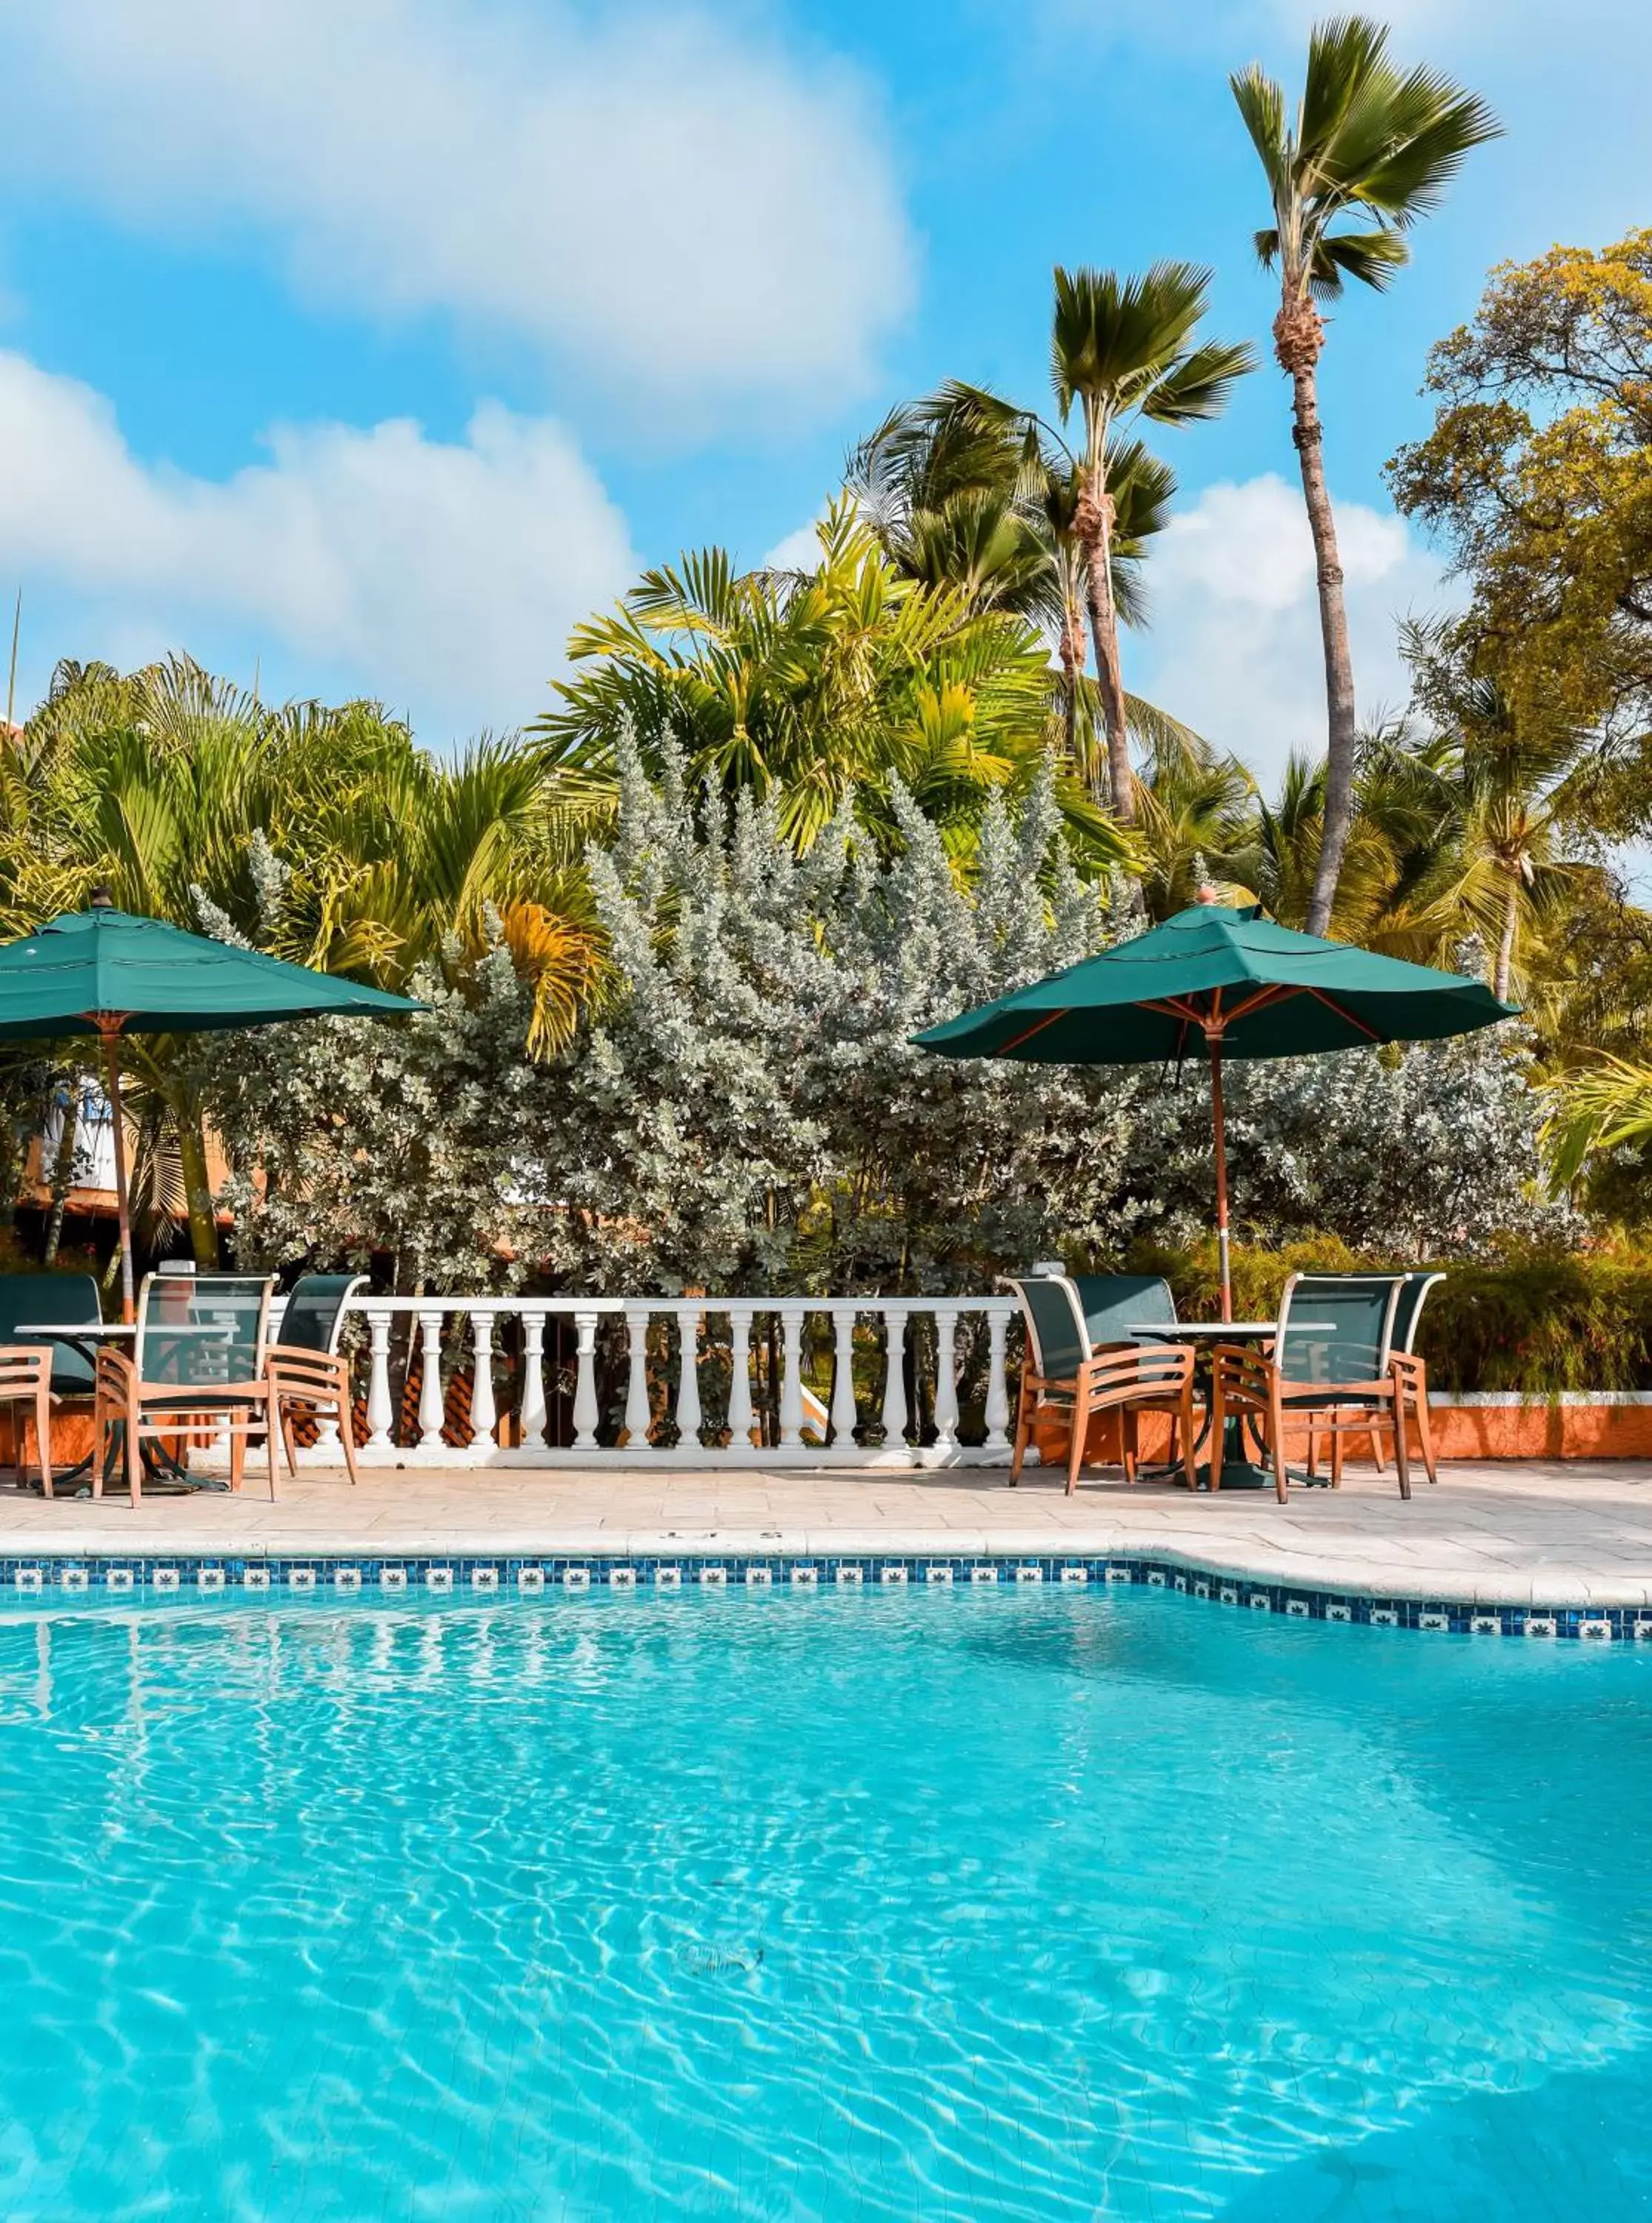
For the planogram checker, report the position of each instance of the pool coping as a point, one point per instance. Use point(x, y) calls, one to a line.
point(711, 1564)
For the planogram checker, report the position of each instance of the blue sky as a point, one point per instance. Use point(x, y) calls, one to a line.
point(371, 343)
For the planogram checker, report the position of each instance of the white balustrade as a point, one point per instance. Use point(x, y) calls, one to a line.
point(586, 1411)
point(688, 1413)
point(844, 1415)
point(710, 1331)
point(740, 1432)
point(431, 1405)
point(531, 1414)
point(484, 1414)
point(945, 1441)
point(791, 1378)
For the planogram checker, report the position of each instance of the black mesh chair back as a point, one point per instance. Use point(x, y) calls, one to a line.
point(315, 1312)
point(203, 1331)
point(56, 1301)
point(1113, 1305)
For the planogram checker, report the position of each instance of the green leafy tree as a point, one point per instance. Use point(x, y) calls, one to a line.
point(1370, 149)
point(1536, 478)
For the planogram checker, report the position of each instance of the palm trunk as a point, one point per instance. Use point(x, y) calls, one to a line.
point(1505, 966)
point(1094, 525)
point(1072, 645)
point(1299, 336)
point(198, 1189)
point(62, 1173)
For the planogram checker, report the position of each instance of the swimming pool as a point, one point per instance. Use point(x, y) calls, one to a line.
point(908, 1904)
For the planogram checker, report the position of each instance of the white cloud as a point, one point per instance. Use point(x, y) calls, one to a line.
point(673, 206)
point(443, 577)
point(1234, 647)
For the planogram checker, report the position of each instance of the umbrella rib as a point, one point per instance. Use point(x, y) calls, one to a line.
point(1342, 1012)
point(1015, 1040)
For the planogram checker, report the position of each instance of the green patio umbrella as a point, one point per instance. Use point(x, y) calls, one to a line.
point(102, 972)
point(1233, 981)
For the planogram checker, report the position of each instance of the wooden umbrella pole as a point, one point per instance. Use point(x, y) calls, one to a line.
point(1214, 1041)
point(123, 1200)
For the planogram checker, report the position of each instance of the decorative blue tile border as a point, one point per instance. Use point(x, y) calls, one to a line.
point(458, 1577)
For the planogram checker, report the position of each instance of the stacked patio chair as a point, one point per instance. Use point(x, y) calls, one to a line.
point(199, 1369)
point(36, 1300)
point(1072, 1370)
point(308, 1379)
point(1347, 1371)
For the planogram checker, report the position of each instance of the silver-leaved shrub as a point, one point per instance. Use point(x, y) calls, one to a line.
point(745, 1111)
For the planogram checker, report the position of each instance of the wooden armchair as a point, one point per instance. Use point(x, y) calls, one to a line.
point(1067, 1370)
point(1336, 1378)
point(308, 1378)
point(26, 1380)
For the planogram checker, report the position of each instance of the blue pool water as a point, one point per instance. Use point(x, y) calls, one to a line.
point(917, 1905)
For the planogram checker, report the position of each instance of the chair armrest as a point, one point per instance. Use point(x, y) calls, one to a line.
point(305, 1372)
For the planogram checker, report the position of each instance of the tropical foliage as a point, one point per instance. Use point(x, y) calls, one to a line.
point(854, 675)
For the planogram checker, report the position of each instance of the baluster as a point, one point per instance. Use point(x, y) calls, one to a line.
point(844, 1415)
point(895, 1377)
point(484, 1412)
point(997, 1411)
point(638, 1416)
point(380, 1411)
point(739, 1379)
point(688, 1376)
point(530, 1414)
point(791, 1379)
point(430, 1409)
point(945, 1381)
point(586, 1410)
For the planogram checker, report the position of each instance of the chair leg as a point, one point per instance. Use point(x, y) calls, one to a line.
point(270, 1430)
point(289, 1440)
point(1023, 1429)
point(133, 1458)
point(1313, 1449)
point(1336, 1452)
point(1276, 1432)
point(1188, 1467)
point(347, 1438)
point(1424, 1432)
point(1402, 1457)
point(1076, 1448)
point(43, 1441)
point(1129, 1443)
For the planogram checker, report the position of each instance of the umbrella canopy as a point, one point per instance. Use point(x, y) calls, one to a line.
point(1231, 976)
point(94, 972)
point(1232, 981)
point(104, 972)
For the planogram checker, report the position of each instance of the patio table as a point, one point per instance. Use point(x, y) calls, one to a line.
point(1238, 1469)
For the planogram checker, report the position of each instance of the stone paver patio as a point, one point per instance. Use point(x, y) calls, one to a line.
point(1528, 1533)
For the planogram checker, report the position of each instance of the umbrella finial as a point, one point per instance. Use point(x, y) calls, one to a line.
point(1207, 893)
point(102, 899)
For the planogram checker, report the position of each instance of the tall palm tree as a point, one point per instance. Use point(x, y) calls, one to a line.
point(1122, 350)
point(1370, 143)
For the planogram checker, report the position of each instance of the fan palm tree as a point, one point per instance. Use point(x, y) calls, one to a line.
point(1122, 350)
point(961, 491)
point(1378, 146)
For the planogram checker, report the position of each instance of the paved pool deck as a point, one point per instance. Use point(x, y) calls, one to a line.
point(1516, 1533)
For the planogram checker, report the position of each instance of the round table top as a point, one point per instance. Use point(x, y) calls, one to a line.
point(1237, 1331)
point(71, 1329)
